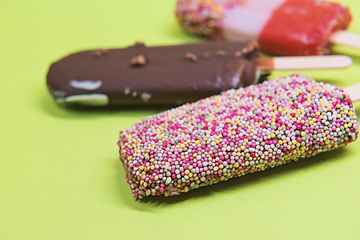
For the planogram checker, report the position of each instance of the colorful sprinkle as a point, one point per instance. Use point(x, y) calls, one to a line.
point(203, 17)
point(238, 132)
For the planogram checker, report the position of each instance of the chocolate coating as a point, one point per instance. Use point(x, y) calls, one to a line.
point(152, 75)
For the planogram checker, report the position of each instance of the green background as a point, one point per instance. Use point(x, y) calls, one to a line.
point(60, 177)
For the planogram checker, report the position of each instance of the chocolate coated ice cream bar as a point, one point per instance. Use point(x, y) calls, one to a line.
point(152, 75)
point(171, 75)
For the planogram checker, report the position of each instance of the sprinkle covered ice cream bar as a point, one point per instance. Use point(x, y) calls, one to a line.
point(238, 132)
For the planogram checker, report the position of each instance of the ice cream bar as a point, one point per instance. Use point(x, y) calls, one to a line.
point(281, 27)
point(153, 75)
point(166, 75)
point(238, 132)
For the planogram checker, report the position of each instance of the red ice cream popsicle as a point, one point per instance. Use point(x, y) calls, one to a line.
point(281, 27)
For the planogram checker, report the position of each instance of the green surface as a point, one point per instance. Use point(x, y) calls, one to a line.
point(59, 170)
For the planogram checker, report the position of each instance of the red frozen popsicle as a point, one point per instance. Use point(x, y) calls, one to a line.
point(282, 27)
point(303, 27)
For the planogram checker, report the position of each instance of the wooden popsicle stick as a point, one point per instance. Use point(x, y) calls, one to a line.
point(354, 92)
point(345, 38)
point(304, 62)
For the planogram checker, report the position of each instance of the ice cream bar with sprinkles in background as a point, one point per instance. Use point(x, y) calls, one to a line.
point(238, 132)
point(281, 27)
